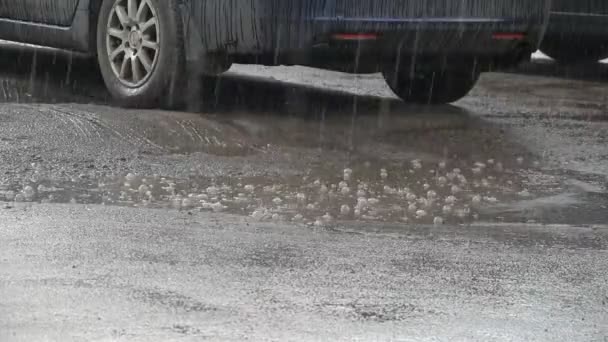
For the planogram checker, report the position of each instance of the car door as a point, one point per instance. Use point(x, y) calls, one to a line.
point(49, 12)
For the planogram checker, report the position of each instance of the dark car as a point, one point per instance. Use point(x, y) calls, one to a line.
point(430, 51)
point(578, 31)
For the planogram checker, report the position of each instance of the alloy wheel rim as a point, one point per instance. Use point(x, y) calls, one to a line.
point(133, 41)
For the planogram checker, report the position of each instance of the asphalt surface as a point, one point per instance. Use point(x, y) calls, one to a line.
point(94, 273)
point(299, 204)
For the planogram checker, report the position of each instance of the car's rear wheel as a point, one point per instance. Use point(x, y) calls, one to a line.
point(429, 87)
point(140, 48)
point(574, 50)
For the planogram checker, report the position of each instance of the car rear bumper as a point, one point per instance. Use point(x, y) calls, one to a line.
point(473, 36)
point(280, 29)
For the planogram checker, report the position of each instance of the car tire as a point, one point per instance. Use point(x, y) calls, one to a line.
point(572, 51)
point(141, 52)
point(439, 87)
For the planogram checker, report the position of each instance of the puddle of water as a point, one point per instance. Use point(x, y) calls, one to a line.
point(417, 192)
point(394, 193)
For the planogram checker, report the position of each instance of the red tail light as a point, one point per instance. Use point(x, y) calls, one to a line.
point(355, 36)
point(508, 36)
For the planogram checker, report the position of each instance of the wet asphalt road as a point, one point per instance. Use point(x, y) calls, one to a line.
point(94, 273)
point(292, 171)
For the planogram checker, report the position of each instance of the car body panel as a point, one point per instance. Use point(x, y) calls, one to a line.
point(51, 12)
point(75, 35)
point(580, 6)
point(582, 18)
point(287, 31)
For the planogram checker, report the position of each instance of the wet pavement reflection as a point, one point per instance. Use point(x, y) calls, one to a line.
point(280, 151)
